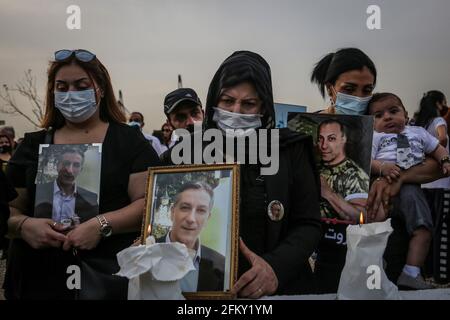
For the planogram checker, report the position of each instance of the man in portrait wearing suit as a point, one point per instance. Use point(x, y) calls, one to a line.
point(62, 199)
point(189, 214)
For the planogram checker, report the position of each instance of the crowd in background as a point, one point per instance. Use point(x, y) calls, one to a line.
point(275, 255)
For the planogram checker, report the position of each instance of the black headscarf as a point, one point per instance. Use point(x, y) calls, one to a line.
point(242, 66)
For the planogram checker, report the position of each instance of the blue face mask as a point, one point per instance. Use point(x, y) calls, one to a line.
point(229, 122)
point(351, 105)
point(135, 124)
point(76, 106)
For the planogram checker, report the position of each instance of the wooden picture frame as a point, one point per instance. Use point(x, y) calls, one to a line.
point(216, 220)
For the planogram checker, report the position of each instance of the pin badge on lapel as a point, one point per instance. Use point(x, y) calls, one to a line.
point(275, 210)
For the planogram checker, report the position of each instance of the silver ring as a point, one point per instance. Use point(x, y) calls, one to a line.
point(54, 223)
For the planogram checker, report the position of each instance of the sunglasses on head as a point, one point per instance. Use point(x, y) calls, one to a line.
point(80, 54)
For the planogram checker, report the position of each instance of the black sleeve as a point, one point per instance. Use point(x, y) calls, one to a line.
point(304, 230)
point(25, 156)
point(143, 155)
point(7, 191)
point(165, 158)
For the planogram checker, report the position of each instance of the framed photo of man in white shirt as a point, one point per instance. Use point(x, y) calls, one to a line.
point(197, 206)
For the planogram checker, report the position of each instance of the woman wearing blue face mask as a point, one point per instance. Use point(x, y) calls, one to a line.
point(80, 109)
point(348, 76)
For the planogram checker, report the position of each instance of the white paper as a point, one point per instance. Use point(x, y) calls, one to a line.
point(155, 269)
point(363, 276)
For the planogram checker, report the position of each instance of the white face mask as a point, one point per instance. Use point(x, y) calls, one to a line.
point(135, 124)
point(237, 124)
point(76, 106)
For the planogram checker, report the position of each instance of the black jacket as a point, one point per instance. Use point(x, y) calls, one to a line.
point(124, 151)
point(7, 194)
point(86, 205)
point(286, 244)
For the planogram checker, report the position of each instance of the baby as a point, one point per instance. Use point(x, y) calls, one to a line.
point(397, 147)
point(390, 122)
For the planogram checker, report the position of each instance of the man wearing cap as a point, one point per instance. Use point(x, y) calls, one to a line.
point(183, 108)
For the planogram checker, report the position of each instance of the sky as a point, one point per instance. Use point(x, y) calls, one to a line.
point(146, 44)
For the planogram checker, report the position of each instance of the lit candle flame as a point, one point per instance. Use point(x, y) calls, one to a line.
point(149, 229)
point(361, 218)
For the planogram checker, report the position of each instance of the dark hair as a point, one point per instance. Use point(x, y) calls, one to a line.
point(110, 110)
point(200, 185)
point(140, 114)
point(9, 131)
point(330, 67)
point(165, 125)
point(379, 96)
point(66, 150)
point(2, 135)
point(240, 67)
point(332, 121)
point(428, 108)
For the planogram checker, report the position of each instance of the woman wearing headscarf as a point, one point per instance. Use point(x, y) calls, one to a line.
point(275, 247)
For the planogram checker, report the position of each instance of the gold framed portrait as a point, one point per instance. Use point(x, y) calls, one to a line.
point(197, 205)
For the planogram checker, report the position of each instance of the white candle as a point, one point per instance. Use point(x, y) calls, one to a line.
point(363, 276)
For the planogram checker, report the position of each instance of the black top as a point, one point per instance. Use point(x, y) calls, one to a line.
point(287, 244)
point(124, 151)
point(7, 193)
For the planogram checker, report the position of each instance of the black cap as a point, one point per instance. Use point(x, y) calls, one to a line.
point(173, 99)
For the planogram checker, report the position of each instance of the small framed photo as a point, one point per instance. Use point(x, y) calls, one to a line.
point(197, 205)
point(68, 183)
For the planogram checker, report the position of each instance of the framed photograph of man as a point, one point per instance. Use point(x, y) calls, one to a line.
point(68, 183)
point(197, 205)
point(343, 145)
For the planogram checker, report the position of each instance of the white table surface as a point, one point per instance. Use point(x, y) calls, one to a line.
point(433, 294)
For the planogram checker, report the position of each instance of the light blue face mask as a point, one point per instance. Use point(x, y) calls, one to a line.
point(135, 124)
point(229, 122)
point(351, 105)
point(76, 106)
